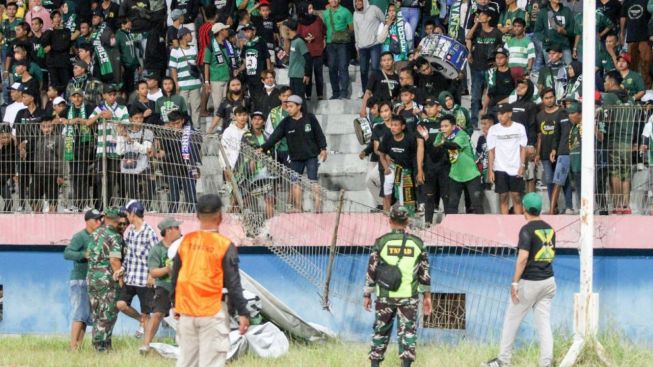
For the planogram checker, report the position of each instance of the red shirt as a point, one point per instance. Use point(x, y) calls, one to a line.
point(318, 30)
point(203, 40)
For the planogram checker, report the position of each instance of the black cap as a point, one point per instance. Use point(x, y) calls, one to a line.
point(249, 26)
point(149, 74)
point(504, 107)
point(22, 62)
point(93, 214)
point(501, 50)
point(258, 113)
point(97, 11)
point(554, 47)
point(431, 101)
point(485, 10)
point(291, 24)
point(209, 204)
point(108, 88)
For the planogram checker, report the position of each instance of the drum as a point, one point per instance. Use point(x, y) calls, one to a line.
point(363, 130)
point(447, 55)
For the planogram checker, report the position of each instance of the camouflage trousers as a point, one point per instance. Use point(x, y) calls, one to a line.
point(405, 309)
point(103, 292)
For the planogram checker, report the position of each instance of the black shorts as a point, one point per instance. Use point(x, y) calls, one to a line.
point(145, 296)
point(504, 183)
point(161, 303)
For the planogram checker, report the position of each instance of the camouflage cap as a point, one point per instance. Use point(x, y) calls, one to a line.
point(113, 212)
point(399, 214)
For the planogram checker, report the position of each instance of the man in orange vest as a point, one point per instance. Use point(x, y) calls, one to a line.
point(206, 262)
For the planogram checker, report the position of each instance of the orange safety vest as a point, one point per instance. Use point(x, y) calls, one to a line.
point(200, 280)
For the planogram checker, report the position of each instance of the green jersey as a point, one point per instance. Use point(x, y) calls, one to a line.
point(521, 50)
point(337, 21)
point(633, 83)
point(107, 135)
point(158, 258)
point(274, 118)
point(507, 17)
point(215, 57)
point(296, 63)
point(462, 159)
point(182, 60)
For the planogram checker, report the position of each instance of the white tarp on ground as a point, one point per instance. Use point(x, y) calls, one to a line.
point(266, 340)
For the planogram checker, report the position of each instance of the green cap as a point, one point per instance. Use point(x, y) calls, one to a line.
point(574, 107)
point(168, 222)
point(399, 214)
point(113, 212)
point(532, 203)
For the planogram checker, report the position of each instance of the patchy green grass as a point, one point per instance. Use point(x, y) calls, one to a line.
point(44, 351)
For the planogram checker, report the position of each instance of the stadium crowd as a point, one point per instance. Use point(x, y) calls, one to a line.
point(108, 92)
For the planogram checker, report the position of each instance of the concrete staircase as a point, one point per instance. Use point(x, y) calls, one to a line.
point(342, 169)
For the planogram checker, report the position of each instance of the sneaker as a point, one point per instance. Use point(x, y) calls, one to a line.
point(140, 332)
point(570, 211)
point(493, 363)
point(144, 350)
point(334, 97)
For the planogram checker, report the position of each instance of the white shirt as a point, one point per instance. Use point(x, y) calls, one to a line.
point(11, 112)
point(506, 142)
point(231, 139)
point(154, 96)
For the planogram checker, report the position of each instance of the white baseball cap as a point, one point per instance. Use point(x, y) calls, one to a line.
point(217, 27)
point(58, 100)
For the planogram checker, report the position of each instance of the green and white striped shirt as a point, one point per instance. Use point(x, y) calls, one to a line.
point(106, 133)
point(181, 59)
point(521, 50)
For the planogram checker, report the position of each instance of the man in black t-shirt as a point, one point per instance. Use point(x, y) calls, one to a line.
point(397, 154)
point(255, 57)
point(533, 285)
point(383, 84)
point(634, 26)
point(482, 40)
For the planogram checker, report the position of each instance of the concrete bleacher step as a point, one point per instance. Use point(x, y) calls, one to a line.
point(343, 171)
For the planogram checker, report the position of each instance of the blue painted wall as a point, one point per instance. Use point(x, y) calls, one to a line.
point(36, 293)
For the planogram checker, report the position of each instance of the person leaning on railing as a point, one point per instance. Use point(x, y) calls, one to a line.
point(179, 152)
point(8, 162)
point(79, 148)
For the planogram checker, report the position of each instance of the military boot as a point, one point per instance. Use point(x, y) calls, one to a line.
point(376, 363)
point(406, 362)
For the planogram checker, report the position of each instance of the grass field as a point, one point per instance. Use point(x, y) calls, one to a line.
point(36, 351)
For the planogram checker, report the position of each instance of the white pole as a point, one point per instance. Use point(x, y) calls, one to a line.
point(587, 163)
point(586, 303)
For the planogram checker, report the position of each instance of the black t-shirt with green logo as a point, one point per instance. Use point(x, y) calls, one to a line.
point(483, 46)
point(538, 238)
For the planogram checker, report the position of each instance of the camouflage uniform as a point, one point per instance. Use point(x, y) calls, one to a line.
point(414, 267)
point(103, 290)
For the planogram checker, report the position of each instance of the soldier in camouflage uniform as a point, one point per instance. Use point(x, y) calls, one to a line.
point(414, 268)
point(104, 278)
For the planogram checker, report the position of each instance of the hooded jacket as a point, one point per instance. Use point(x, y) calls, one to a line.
point(524, 111)
point(366, 24)
point(461, 114)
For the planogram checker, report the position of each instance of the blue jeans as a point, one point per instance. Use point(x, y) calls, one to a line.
point(338, 61)
point(187, 184)
point(80, 304)
point(411, 15)
point(369, 55)
point(547, 176)
point(540, 56)
point(478, 85)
